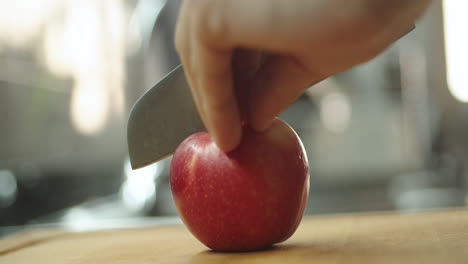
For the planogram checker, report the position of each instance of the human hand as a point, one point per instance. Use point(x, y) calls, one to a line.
point(220, 43)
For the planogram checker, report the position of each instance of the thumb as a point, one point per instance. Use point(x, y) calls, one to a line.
point(277, 84)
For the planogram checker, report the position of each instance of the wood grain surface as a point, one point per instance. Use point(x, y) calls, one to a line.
point(429, 237)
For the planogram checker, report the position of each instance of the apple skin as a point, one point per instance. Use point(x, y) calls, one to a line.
point(246, 199)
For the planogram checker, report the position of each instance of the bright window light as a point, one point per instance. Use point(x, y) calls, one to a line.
point(456, 51)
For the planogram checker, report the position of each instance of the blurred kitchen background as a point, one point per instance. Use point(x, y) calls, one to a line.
point(387, 135)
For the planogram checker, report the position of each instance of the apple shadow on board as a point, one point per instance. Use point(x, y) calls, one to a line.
point(271, 252)
point(330, 250)
point(292, 253)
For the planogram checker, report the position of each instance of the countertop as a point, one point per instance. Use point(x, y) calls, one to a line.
point(385, 237)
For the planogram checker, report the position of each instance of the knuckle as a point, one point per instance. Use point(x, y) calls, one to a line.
point(359, 25)
point(373, 23)
point(363, 29)
point(211, 19)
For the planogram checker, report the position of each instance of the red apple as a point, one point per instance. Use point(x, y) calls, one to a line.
point(246, 199)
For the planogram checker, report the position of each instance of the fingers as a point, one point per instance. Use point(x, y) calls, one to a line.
point(278, 83)
point(208, 32)
point(207, 56)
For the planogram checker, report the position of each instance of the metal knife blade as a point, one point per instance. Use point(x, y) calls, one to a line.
point(161, 119)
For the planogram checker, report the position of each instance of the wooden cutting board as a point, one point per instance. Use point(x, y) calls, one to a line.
point(429, 237)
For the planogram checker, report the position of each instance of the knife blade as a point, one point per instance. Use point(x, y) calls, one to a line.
point(161, 119)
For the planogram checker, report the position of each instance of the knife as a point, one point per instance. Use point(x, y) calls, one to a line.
point(161, 119)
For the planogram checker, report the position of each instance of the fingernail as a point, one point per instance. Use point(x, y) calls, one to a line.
point(227, 146)
point(226, 141)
